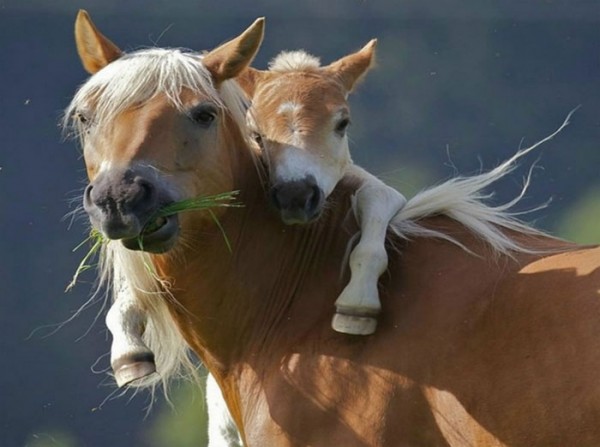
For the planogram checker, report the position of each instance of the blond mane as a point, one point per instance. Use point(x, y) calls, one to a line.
point(137, 77)
point(288, 61)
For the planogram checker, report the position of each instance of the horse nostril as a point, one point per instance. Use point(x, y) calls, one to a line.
point(144, 192)
point(87, 196)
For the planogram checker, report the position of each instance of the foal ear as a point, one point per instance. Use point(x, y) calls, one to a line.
point(95, 50)
point(249, 79)
point(350, 69)
point(231, 58)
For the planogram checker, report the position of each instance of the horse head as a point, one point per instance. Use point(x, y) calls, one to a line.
point(153, 126)
point(299, 117)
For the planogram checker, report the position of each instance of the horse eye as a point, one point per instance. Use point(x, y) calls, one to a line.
point(203, 115)
point(342, 125)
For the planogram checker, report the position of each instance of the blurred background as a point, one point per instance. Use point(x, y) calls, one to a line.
point(459, 87)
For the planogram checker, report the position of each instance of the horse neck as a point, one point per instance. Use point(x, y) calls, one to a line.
point(234, 303)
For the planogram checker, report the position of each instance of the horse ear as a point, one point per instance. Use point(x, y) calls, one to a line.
point(95, 50)
point(350, 69)
point(249, 79)
point(231, 58)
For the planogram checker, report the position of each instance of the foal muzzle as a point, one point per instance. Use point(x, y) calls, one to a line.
point(298, 201)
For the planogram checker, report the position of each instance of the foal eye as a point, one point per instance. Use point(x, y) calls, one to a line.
point(203, 115)
point(342, 125)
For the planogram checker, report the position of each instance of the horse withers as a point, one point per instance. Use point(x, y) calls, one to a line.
point(489, 329)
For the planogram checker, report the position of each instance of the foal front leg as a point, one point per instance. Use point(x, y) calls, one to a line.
point(358, 305)
point(130, 358)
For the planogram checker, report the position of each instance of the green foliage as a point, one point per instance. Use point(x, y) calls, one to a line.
point(581, 223)
point(185, 423)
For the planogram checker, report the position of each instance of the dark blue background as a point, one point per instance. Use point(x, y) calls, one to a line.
point(460, 82)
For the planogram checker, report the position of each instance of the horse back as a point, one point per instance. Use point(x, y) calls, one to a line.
point(470, 350)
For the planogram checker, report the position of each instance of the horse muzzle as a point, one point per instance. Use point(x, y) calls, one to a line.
point(123, 204)
point(298, 201)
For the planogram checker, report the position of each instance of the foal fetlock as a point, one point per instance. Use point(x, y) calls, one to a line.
point(356, 317)
point(358, 305)
point(130, 358)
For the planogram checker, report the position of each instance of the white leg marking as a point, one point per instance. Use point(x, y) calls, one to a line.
point(222, 431)
point(130, 358)
point(358, 305)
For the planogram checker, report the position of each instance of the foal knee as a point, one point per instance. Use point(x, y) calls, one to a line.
point(368, 257)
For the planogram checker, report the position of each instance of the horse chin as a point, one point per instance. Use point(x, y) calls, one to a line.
point(157, 237)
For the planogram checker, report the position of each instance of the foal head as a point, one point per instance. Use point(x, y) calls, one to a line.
point(154, 126)
point(299, 116)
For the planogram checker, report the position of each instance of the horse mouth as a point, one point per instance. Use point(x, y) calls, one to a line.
point(157, 236)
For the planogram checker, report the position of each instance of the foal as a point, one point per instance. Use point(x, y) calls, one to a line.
point(299, 117)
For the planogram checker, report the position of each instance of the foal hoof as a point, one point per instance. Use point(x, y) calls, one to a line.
point(354, 324)
point(131, 368)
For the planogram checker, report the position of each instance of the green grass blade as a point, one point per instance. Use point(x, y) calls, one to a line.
point(225, 199)
point(98, 240)
point(222, 230)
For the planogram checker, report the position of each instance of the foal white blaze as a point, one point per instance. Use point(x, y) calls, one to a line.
point(179, 84)
point(300, 115)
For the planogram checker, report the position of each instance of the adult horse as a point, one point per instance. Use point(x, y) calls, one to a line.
point(488, 330)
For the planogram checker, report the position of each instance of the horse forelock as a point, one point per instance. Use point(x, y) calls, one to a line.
point(294, 61)
point(140, 76)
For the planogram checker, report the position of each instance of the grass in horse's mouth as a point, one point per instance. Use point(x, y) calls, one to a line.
point(154, 225)
point(96, 239)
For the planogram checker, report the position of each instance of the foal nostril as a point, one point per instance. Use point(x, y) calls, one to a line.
point(299, 201)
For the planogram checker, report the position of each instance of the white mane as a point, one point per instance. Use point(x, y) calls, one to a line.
point(137, 77)
point(294, 61)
